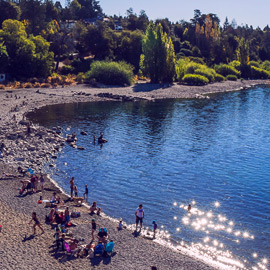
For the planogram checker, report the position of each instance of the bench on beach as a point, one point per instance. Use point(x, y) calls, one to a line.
point(78, 200)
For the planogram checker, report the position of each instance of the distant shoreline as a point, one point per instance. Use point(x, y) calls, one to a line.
point(35, 150)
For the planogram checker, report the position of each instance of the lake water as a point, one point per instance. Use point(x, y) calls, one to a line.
point(213, 154)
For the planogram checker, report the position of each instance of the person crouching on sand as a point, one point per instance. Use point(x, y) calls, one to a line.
point(36, 221)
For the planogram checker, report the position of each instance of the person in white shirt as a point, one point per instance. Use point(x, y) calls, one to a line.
point(139, 216)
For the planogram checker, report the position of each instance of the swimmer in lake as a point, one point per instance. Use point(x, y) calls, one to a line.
point(189, 208)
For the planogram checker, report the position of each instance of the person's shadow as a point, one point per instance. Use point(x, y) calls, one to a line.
point(28, 238)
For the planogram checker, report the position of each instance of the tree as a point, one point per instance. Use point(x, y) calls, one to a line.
point(27, 56)
point(33, 11)
point(3, 58)
point(9, 10)
point(157, 60)
point(243, 52)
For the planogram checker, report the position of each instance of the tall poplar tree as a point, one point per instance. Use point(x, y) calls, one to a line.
point(158, 58)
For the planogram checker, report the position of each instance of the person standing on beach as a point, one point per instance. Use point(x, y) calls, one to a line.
point(42, 180)
point(139, 216)
point(37, 223)
point(71, 182)
point(85, 194)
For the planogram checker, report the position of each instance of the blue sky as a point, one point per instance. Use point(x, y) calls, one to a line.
point(251, 12)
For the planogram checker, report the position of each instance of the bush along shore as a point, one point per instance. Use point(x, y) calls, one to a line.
point(31, 146)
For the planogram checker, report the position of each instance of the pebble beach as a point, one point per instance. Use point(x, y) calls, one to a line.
point(19, 248)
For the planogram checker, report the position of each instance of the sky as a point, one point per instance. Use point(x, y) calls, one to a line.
point(251, 12)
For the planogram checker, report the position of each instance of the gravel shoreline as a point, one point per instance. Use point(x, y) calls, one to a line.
point(18, 248)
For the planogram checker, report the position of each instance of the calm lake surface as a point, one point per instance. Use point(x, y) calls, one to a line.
point(213, 154)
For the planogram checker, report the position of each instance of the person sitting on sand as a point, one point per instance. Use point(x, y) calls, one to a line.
point(94, 208)
point(51, 216)
point(103, 235)
point(99, 248)
point(53, 200)
point(36, 221)
point(74, 247)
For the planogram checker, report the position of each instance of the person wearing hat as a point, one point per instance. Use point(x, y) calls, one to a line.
point(94, 228)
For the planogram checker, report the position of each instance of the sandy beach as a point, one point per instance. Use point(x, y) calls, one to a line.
point(19, 249)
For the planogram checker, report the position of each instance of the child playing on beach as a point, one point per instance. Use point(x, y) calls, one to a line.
point(37, 223)
point(120, 225)
point(67, 216)
point(85, 194)
point(76, 191)
point(155, 226)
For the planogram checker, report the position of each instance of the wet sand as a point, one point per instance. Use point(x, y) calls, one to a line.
point(19, 249)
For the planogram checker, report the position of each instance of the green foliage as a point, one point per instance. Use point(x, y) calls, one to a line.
point(235, 64)
point(9, 10)
point(266, 65)
point(28, 56)
point(254, 64)
point(207, 73)
point(194, 79)
point(81, 65)
point(243, 52)
point(259, 73)
point(111, 73)
point(81, 77)
point(158, 59)
point(185, 66)
point(226, 70)
point(65, 70)
point(219, 78)
point(231, 78)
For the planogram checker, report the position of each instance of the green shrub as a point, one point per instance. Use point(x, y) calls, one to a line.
point(191, 68)
point(226, 70)
point(197, 60)
point(235, 64)
point(266, 65)
point(181, 66)
point(231, 78)
point(2, 87)
point(194, 79)
point(219, 78)
point(207, 73)
point(65, 70)
point(80, 77)
point(254, 64)
point(111, 73)
point(259, 73)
